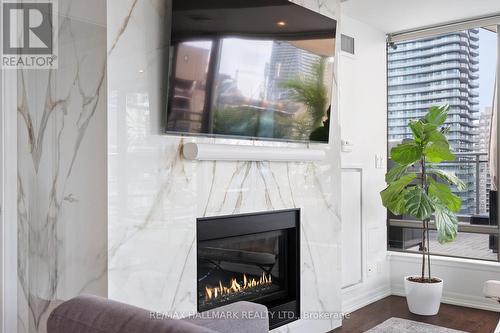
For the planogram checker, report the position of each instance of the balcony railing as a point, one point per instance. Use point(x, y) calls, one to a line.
point(424, 61)
point(431, 68)
point(428, 96)
point(459, 37)
point(475, 159)
point(412, 54)
point(410, 79)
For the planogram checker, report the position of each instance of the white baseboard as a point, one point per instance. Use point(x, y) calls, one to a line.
point(351, 303)
point(356, 299)
point(464, 300)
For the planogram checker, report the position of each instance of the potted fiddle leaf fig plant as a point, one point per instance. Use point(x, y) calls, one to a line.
point(418, 188)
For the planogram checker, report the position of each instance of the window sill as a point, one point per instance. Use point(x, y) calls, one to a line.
point(476, 264)
point(462, 227)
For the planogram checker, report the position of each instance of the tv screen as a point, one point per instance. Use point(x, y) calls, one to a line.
point(250, 68)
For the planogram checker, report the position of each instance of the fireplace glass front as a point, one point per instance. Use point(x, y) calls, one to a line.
point(250, 257)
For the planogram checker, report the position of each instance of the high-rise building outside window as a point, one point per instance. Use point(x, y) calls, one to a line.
point(458, 69)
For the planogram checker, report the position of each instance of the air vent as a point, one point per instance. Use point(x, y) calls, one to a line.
point(347, 44)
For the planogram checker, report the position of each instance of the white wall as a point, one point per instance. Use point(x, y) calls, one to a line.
point(363, 122)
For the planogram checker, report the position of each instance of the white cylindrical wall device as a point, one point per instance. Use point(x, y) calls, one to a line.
point(223, 152)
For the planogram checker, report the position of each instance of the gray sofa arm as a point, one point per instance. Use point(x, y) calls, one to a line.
point(239, 317)
point(92, 314)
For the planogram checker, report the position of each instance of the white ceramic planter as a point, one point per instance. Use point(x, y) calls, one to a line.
point(423, 298)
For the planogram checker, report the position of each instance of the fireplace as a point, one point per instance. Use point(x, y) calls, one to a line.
point(251, 257)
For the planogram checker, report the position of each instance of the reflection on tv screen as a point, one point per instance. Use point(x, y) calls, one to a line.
point(275, 83)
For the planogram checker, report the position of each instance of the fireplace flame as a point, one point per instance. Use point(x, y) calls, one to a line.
point(235, 287)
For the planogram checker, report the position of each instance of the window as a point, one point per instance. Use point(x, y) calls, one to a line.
point(458, 69)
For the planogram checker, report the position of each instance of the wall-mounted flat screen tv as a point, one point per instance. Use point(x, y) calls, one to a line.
point(250, 68)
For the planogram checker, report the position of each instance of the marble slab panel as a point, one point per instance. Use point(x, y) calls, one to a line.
point(155, 195)
point(62, 162)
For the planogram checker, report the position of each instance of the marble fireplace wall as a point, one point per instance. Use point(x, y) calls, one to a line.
point(155, 195)
point(62, 163)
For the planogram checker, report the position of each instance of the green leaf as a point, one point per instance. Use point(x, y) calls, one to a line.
point(437, 115)
point(443, 194)
point(429, 129)
point(423, 132)
point(406, 153)
point(392, 198)
point(437, 152)
point(417, 128)
point(418, 203)
point(395, 173)
point(446, 223)
point(437, 136)
point(449, 177)
point(398, 205)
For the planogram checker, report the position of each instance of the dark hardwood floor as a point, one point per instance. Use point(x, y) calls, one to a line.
point(451, 316)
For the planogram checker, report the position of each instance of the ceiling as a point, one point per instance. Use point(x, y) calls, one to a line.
point(397, 15)
point(256, 18)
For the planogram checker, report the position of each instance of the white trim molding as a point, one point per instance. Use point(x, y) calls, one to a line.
point(352, 301)
point(362, 261)
point(459, 299)
point(8, 201)
point(438, 29)
point(226, 152)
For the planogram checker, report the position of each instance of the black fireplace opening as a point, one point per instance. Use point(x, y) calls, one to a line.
point(251, 257)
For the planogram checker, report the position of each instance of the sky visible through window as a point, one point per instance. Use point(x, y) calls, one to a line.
point(487, 67)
